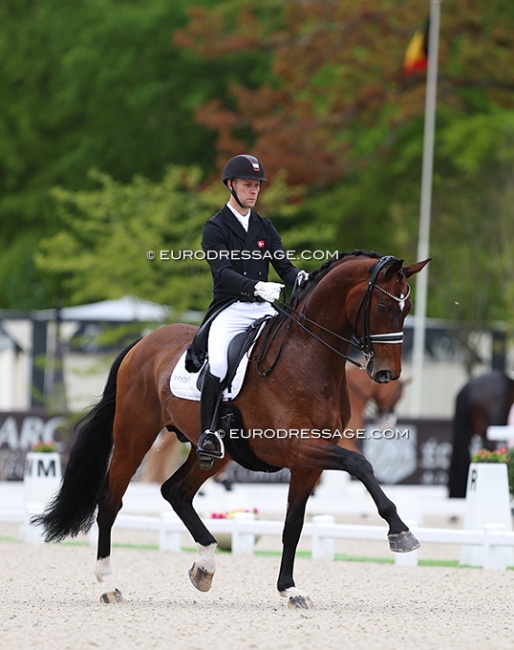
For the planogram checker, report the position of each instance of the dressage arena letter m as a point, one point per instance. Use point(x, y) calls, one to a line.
point(43, 467)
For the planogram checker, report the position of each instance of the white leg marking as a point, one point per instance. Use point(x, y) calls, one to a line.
point(292, 592)
point(206, 559)
point(104, 575)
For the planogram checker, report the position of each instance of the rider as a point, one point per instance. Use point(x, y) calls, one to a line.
point(242, 293)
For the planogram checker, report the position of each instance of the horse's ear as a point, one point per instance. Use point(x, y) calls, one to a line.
point(412, 269)
point(393, 268)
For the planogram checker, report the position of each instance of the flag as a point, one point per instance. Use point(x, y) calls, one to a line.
point(416, 54)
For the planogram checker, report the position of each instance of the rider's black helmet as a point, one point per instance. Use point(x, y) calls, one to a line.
point(244, 166)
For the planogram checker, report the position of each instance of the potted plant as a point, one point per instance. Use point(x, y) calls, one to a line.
point(491, 456)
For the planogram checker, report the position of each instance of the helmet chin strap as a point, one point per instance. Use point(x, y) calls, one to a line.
point(234, 194)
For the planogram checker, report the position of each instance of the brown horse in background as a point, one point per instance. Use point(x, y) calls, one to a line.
point(365, 393)
point(359, 300)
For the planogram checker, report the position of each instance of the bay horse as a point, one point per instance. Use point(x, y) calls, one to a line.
point(358, 299)
point(362, 392)
point(483, 401)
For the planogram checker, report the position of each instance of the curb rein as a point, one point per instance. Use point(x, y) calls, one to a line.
point(363, 344)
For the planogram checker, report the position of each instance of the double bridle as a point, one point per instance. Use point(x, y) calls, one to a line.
point(364, 343)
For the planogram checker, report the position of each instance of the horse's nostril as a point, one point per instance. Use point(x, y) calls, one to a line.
point(383, 376)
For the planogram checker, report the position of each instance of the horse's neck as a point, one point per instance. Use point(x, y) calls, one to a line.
point(325, 316)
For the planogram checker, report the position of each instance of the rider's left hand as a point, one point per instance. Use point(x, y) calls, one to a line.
point(302, 278)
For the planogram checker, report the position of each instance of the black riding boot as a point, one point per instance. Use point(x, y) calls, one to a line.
point(210, 445)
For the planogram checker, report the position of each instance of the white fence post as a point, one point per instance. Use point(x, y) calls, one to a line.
point(169, 533)
point(242, 542)
point(494, 556)
point(323, 546)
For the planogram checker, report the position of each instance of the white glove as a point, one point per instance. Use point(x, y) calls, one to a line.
point(269, 291)
point(301, 278)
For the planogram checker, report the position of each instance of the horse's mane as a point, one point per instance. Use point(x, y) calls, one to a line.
point(339, 256)
point(316, 275)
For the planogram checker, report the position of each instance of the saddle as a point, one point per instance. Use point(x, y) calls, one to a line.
point(189, 385)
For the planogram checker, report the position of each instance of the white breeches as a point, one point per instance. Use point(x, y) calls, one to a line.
point(232, 320)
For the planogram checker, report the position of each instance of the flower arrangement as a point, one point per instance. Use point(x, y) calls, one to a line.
point(230, 515)
point(44, 447)
point(491, 456)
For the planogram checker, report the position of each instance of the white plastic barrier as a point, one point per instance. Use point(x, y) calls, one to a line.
point(323, 533)
point(492, 539)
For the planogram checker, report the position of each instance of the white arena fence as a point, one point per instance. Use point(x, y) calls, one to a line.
point(322, 530)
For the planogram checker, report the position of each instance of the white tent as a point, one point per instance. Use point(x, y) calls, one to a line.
point(126, 309)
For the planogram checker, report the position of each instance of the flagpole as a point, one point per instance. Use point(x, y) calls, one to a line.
point(425, 209)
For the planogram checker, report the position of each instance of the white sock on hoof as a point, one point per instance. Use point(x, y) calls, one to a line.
point(104, 575)
point(292, 592)
point(206, 559)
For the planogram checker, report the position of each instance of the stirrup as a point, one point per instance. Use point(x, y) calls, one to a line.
point(208, 454)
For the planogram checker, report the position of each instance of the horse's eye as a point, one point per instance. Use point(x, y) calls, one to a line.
point(382, 309)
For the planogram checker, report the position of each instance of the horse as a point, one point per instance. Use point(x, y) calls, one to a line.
point(364, 393)
point(354, 299)
point(483, 401)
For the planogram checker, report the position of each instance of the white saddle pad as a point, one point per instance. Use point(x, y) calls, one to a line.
point(183, 383)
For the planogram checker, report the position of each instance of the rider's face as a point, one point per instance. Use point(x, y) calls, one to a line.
point(247, 191)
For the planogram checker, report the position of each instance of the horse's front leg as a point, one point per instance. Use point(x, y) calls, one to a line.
point(331, 456)
point(179, 491)
point(300, 488)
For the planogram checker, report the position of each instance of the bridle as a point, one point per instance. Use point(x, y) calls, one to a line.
point(364, 343)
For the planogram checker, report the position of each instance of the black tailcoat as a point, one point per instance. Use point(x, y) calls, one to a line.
point(238, 260)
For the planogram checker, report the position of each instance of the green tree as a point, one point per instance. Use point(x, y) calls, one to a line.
point(95, 84)
point(101, 251)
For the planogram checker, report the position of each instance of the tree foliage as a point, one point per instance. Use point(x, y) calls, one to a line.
point(108, 236)
point(315, 88)
point(337, 94)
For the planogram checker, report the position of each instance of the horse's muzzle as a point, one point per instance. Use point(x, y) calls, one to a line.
point(383, 376)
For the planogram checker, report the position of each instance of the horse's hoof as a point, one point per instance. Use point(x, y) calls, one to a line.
point(403, 542)
point(111, 597)
point(200, 578)
point(297, 599)
point(300, 602)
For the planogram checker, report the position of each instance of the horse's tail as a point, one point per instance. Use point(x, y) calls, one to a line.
point(462, 432)
point(73, 508)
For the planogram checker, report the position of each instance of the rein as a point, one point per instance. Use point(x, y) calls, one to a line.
point(363, 344)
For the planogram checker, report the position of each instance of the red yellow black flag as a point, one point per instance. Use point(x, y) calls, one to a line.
point(416, 54)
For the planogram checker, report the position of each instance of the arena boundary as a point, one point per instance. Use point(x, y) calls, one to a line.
point(143, 511)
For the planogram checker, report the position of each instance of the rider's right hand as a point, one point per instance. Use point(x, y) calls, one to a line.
point(269, 291)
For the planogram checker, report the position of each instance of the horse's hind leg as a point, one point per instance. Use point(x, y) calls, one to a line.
point(179, 491)
point(300, 488)
point(125, 461)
